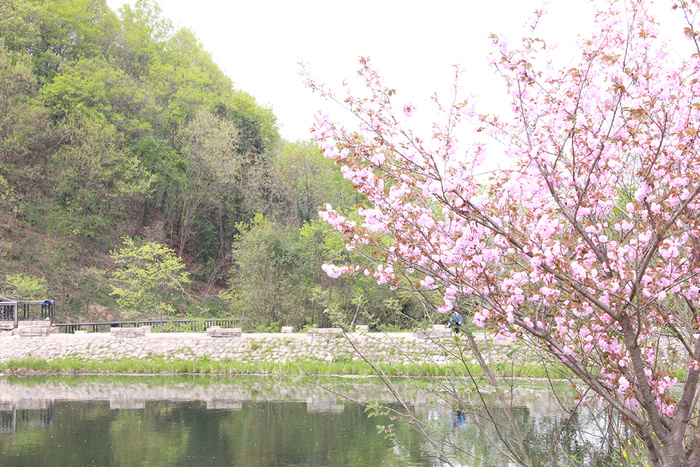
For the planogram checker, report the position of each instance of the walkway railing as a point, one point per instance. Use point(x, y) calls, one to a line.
point(27, 310)
point(175, 325)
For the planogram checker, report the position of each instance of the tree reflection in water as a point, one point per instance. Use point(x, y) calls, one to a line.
point(255, 421)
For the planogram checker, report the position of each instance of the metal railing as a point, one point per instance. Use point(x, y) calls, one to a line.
point(174, 325)
point(27, 310)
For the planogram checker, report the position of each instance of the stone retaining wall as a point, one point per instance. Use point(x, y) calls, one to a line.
point(436, 345)
point(328, 345)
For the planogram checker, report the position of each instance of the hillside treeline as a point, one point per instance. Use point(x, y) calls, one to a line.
point(116, 124)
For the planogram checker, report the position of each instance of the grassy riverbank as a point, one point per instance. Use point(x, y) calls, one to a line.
point(205, 365)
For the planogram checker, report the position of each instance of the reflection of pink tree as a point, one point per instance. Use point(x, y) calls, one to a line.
point(589, 247)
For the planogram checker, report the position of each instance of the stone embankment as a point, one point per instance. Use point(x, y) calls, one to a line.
point(435, 345)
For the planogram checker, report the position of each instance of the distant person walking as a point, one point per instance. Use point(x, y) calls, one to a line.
point(456, 321)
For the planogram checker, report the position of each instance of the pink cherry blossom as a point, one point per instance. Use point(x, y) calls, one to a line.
point(589, 244)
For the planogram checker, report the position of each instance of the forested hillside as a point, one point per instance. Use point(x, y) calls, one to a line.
point(117, 125)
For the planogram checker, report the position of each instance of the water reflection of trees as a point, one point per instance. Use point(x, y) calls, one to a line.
point(468, 436)
point(311, 427)
point(554, 439)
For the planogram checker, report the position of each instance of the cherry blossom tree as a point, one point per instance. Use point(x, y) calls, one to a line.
point(589, 247)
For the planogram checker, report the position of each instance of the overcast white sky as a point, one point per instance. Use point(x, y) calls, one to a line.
point(413, 44)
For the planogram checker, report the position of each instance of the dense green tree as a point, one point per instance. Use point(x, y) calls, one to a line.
point(257, 124)
point(278, 279)
point(208, 145)
point(185, 79)
point(269, 279)
point(304, 180)
point(23, 287)
point(19, 28)
point(142, 36)
point(168, 170)
point(146, 276)
point(94, 86)
point(17, 85)
point(258, 142)
point(22, 126)
point(95, 178)
point(69, 30)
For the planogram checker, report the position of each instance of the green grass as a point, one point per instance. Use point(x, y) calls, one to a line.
point(206, 365)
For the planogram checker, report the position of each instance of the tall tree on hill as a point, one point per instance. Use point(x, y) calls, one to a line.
point(142, 37)
point(69, 30)
point(305, 180)
point(95, 180)
point(23, 127)
point(209, 147)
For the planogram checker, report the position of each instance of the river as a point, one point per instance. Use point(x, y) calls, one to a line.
point(262, 421)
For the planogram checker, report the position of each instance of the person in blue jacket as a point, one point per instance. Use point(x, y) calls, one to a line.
point(456, 321)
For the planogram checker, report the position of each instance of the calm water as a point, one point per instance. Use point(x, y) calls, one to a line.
point(249, 421)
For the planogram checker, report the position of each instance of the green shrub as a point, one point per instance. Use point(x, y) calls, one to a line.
point(21, 287)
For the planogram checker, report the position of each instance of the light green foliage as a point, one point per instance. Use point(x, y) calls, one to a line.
point(17, 81)
point(71, 29)
point(317, 235)
point(146, 276)
point(94, 86)
point(185, 79)
point(208, 144)
point(208, 147)
point(95, 178)
point(17, 29)
point(22, 287)
point(278, 278)
point(143, 35)
point(6, 195)
point(144, 19)
point(20, 118)
point(269, 277)
point(22, 122)
point(306, 180)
